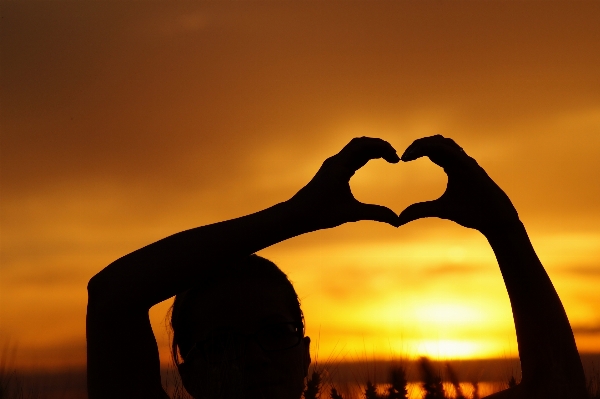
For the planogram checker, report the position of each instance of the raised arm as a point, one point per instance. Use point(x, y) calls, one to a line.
point(550, 363)
point(123, 357)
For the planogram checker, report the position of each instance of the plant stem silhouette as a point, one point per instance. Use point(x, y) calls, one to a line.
point(334, 394)
point(432, 381)
point(398, 388)
point(313, 386)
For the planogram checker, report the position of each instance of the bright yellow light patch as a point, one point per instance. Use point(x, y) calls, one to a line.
point(447, 314)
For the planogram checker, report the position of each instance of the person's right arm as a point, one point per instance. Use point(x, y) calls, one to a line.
point(123, 357)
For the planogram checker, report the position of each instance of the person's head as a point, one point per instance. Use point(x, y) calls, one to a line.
point(240, 334)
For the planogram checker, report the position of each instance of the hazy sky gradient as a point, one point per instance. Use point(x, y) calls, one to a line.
point(122, 123)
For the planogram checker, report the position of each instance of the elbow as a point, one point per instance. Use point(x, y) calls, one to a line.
point(109, 292)
point(98, 286)
point(101, 292)
point(93, 286)
point(96, 289)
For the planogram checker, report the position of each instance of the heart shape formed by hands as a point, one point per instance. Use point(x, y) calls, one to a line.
point(471, 199)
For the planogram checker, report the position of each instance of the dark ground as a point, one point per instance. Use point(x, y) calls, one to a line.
point(70, 383)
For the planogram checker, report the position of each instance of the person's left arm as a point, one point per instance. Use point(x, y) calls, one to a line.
point(550, 363)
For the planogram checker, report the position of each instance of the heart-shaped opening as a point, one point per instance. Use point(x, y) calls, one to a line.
point(397, 186)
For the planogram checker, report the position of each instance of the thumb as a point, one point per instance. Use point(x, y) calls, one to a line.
point(420, 210)
point(377, 213)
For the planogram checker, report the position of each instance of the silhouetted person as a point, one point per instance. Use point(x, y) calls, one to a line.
point(238, 327)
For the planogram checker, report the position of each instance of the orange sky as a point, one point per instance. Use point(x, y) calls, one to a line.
point(122, 123)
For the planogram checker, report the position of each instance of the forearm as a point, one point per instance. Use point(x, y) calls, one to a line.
point(162, 269)
point(547, 349)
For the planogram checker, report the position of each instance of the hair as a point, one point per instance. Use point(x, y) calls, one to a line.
point(249, 268)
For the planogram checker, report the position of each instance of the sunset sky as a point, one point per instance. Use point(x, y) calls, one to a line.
point(122, 123)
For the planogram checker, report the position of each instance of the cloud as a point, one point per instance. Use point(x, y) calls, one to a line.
point(586, 330)
point(583, 271)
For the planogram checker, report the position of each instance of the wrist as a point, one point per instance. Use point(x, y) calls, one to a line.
point(295, 215)
point(504, 231)
point(305, 215)
point(500, 218)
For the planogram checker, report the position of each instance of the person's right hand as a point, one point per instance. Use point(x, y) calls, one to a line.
point(471, 199)
point(327, 201)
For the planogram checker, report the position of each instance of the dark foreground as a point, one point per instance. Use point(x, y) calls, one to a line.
point(345, 376)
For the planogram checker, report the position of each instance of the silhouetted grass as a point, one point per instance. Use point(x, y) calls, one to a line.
point(437, 381)
point(11, 385)
point(313, 386)
point(432, 380)
point(453, 377)
point(398, 383)
point(333, 394)
point(395, 388)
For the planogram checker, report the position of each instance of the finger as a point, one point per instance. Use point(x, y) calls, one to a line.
point(420, 210)
point(377, 213)
point(441, 150)
point(360, 150)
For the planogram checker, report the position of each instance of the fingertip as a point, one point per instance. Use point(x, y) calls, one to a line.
point(393, 158)
point(409, 155)
point(389, 153)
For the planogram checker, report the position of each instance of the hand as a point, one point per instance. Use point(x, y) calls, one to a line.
point(327, 201)
point(471, 199)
